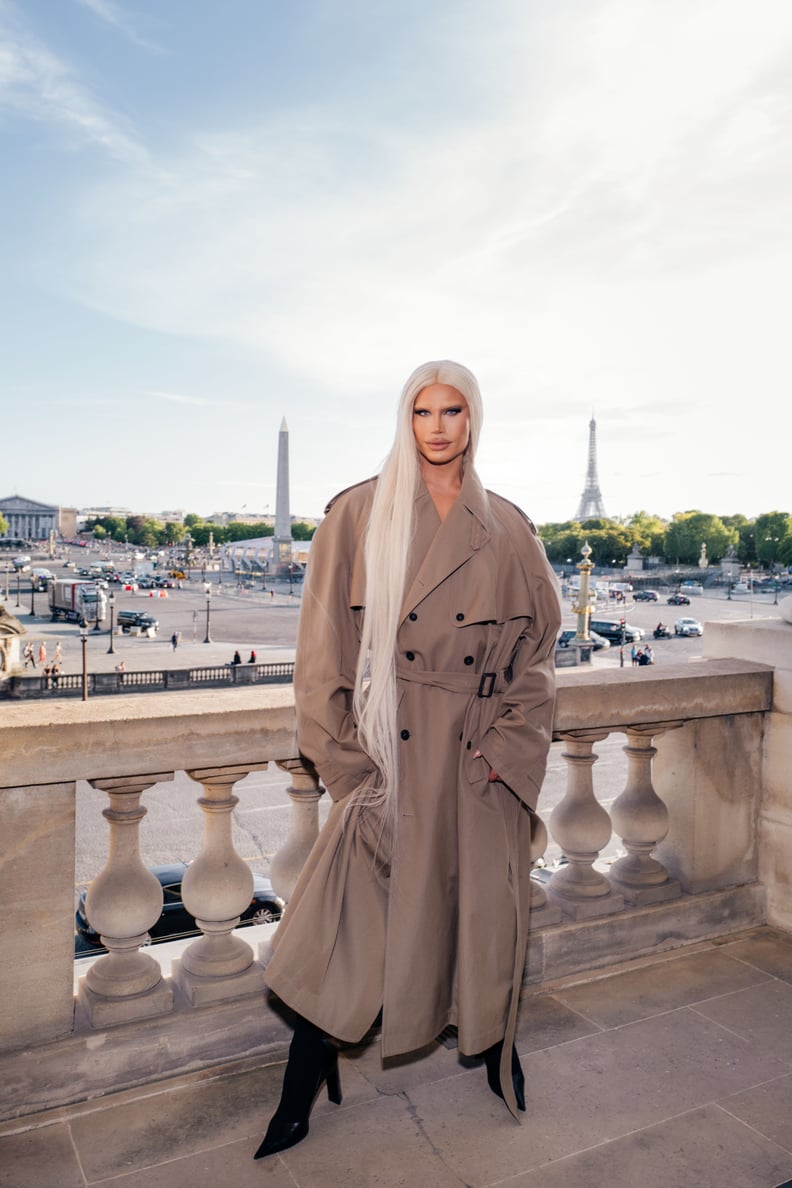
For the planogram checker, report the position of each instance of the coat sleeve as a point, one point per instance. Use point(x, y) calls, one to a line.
point(328, 641)
point(516, 743)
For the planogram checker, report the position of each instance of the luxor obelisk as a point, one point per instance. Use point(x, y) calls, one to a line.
point(282, 541)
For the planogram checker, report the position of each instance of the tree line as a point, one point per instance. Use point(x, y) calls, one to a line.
point(150, 534)
point(763, 542)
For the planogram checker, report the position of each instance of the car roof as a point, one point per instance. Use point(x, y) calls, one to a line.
point(172, 872)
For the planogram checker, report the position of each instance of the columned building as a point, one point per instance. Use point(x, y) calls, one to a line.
point(29, 520)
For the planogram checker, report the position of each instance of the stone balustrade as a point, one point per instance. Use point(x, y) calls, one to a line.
point(689, 818)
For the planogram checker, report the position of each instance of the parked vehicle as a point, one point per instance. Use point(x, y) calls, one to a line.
point(599, 641)
point(612, 630)
point(646, 596)
point(21, 564)
point(76, 601)
point(678, 600)
point(142, 620)
point(175, 921)
point(688, 627)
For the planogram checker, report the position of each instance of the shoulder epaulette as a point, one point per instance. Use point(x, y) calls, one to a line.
point(517, 508)
point(347, 489)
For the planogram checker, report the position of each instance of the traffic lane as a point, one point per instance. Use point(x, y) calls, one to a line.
point(646, 615)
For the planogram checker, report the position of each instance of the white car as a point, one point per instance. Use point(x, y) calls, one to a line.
point(688, 627)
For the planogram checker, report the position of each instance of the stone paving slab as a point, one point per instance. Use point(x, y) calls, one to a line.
point(693, 1094)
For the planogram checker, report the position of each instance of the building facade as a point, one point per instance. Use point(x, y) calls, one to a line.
point(29, 520)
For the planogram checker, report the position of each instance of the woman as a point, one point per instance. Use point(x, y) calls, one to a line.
point(424, 684)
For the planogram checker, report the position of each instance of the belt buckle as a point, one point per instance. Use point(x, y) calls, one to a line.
point(487, 684)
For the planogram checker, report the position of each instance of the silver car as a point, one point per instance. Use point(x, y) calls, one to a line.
point(688, 627)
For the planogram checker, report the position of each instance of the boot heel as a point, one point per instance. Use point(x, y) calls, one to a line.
point(333, 1077)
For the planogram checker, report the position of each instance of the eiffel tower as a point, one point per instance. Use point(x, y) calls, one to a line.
point(591, 506)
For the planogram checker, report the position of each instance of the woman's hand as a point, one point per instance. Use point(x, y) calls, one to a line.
point(493, 775)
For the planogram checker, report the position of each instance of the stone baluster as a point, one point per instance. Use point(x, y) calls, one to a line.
point(640, 819)
point(123, 902)
point(216, 889)
point(582, 828)
point(305, 792)
point(543, 912)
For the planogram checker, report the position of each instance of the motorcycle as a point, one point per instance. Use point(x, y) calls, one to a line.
point(661, 633)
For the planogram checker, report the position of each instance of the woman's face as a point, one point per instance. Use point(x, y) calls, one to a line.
point(441, 424)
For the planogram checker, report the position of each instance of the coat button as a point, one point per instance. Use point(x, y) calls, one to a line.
point(413, 616)
point(468, 659)
point(405, 734)
point(409, 655)
point(468, 745)
point(460, 617)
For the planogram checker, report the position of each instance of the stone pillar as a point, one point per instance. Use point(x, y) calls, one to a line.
point(37, 887)
point(640, 819)
point(582, 828)
point(216, 889)
point(543, 912)
point(305, 792)
point(123, 902)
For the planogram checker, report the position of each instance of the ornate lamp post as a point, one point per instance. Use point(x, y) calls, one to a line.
point(208, 638)
point(32, 595)
point(96, 626)
point(111, 600)
point(84, 642)
point(18, 580)
point(583, 608)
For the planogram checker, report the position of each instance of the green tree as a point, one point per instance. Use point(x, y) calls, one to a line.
point(99, 532)
point(302, 531)
point(688, 531)
point(770, 531)
point(3, 526)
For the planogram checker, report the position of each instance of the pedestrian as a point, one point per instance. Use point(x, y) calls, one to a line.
point(42, 653)
point(237, 658)
point(55, 673)
point(634, 655)
point(252, 659)
point(121, 666)
point(424, 685)
point(29, 655)
point(175, 640)
point(58, 652)
point(649, 654)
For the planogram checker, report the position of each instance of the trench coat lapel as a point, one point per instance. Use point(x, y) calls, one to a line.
point(465, 529)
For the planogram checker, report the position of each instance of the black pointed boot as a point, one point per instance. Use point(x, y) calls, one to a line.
point(313, 1061)
point(492, 1057)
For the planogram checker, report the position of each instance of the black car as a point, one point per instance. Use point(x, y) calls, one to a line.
point(613, 631)
point(645, 596)
point(175, 921)
point(599, 641)
point(678, 600)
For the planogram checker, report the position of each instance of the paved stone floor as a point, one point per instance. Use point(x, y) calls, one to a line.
point(672, 1073)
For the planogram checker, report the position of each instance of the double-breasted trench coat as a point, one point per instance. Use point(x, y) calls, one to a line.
point(429, 925)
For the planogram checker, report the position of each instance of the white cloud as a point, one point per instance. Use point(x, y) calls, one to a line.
point(37, 84)
point(113, 15)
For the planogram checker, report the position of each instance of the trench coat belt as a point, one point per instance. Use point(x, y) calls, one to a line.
point(483, 684)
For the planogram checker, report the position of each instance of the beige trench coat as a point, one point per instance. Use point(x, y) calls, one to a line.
point(433, 928)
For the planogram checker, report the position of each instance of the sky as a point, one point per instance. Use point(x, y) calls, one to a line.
point(216, 214)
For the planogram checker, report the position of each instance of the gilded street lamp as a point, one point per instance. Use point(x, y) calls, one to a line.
point(584, 607)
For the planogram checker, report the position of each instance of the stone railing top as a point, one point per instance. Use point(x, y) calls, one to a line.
point(52, 742)
point(617, 697)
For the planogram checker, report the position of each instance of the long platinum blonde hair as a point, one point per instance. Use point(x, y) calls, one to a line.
point(387, 545)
